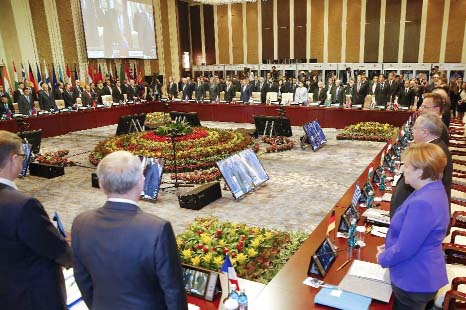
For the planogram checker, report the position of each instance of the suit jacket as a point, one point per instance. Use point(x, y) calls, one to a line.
point(359, 96)
point(69, 99)
point(31, 254)
point(246, 92)
point(172, 89)
point(117, 94)
point(393, 90)
point(46, 101)
point(382, 94)
point(127, 259)
point(86, 99)
point(25, 106)
point(16, 95)
point(319, 97)
point(340, 96)
point(58, 94)
point(200, 91)
point(406, 99)
point(77, 91)
point(213, 91)
point(187, 91)
point(229, 93)
point(145, 94)
point(108, 90)
point(132, 92)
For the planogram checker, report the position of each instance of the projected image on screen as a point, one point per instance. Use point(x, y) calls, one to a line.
point(119, 28)
point(242, 172)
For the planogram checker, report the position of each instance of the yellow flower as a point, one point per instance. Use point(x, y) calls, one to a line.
point(252, 252)
point(195, 260)
point(221, 243)
point(179, 240)
point(255, 243)
point(206, 239)
point(218, 261)
point(268, 235)
point(241, 258)
point(233, 261)
point(187, 254)
point(207, 258)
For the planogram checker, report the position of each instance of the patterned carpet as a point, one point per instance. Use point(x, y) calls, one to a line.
point(303, 185)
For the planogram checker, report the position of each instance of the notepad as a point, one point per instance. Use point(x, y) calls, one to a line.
point(339, 299)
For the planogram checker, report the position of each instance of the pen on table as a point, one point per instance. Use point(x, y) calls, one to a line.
point(344, 264)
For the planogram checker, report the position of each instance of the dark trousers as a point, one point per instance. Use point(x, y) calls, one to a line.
point(410, 301)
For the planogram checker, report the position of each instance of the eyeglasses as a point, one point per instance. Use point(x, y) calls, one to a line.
point(22, 155)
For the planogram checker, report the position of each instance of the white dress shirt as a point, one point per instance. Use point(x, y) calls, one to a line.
point(8, 183)
point(123, 200)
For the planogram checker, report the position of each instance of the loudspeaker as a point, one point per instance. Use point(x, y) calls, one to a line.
point(46, 171)
point(200, 196)
point(282, 126)
point(189, 117)
point(94, 180)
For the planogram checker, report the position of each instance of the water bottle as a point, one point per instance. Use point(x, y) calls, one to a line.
point(352, 234)
point(233, 292)
point(243, 301)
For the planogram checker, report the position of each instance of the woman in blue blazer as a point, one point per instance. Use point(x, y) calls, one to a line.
point(413, 248)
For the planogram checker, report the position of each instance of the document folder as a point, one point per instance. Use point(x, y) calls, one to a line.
point(332, 297)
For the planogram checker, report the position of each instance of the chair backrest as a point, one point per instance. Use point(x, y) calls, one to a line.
point(15, 105)
point(125, 96)
point(37, 106)
point(310, 97)
point(237, 95)
point(287, 97)
point(367, 102)
point(79, 102)
point(60, 103)
point(222, 95)
point(107, 98)
point(272, 96)
point(256, 96)
point(207, 94)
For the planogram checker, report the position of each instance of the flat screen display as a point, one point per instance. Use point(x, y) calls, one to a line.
point(153, 169)
point(242, 172)
point(323, 258)
point(26, 151)
point(119, 28)
point(315, 134)
point(195, 281)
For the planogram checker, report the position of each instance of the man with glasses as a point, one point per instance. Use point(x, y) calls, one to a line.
point(435, 103)
point(31, 249)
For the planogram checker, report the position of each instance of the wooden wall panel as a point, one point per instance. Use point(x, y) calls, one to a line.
point(252, 32)
point(412, 30)
point(371, 46)
point(392, 31)
point(223, 39)
point(455, 33)
point(353, 31)
point(300, 28)
point(335, 13)
point(433, 30)
point(195, 17)
point(41, 32)
point(267, 30)
point(237, 38)
point(209, 34)
point(283, 19)
point(183, 26)
point(166, 39)
point(65, 19)
point(317, 30)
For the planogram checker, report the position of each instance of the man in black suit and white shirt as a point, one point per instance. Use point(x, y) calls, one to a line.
point(360, 91)
point(117, 92)
point(125, 258)
point(393, 87)
point(31, 249)
point(25, 102)
point(229, 91)
point(86, 97)
point(77, 89)
point(406, 95)
point(46, 99)
point(172, 88)
point(68, 96)
point(338, 93)
point(382, 92)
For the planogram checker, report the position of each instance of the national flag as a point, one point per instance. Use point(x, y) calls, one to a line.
point(331, 223)
point(47, 77)
point(370, 174)
point(39, 75)
point(228, 268)
point(122, 72)
point(96, 73)
point(68, 74)
point(6, 79)
point(130, 72)
point(32, 79)
point(15, 74)
point(356, 196)
point(54, 77)
point(100, 76)
point(116, 71)
point(382, 158)
point(89, 73)
point(110, 72)
point(104, 70)
point(139, 75)
point(23, 72)
point(76, 75)
point(402, 132)
point(60, 74)
point(127, 76)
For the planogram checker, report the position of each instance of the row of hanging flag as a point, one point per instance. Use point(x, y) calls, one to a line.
point(95, 73)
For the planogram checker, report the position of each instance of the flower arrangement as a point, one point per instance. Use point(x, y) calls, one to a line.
point(157, 119)
point(256, 253)
point(278, 144)
point(57, 158)
point(368, 131)
point(196, 156)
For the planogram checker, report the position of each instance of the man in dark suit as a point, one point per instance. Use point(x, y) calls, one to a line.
point(230, 91)
point(86, 97)
point(31, 249)
point(117, 92)
point(5, 111)
point(338, 93)
point(58, 93)
point(172, 88)
point(25, 102)
point(186, 89)
point(132, 91)
point(427, 128)
point(46, 99)
point(200, 89)
point(262, 87)
point(10, 101)
point(213, 89)
point(246, 91)
point(360, 90)
point(140, 270)
point(77, 89)
point(18, 92)
point(381, 92)
point(108, 88)
point(406, 95)
point(319, 94)
point(393, 87)
point(68, 97)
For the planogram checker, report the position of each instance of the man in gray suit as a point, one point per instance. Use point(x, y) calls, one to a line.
point(125, 258)
point(25, 102)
